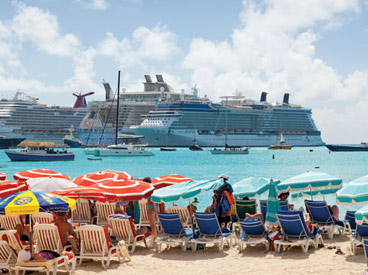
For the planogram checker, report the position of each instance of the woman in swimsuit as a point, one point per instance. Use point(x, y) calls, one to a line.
point(151, 212)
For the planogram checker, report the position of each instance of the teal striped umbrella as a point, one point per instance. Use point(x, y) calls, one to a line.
point(305, 194)
point(361, 216)
point(184, 190)
point(252, 187)
point(273, 205)
point(310, 181)
point(354, 193)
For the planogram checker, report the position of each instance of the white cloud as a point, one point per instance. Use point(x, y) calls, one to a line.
point(94, 4)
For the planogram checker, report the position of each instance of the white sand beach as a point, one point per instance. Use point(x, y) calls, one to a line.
point(254, 260)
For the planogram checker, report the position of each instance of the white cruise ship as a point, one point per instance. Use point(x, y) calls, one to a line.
point(23, 117)
point(243, 122)
point(99, 125)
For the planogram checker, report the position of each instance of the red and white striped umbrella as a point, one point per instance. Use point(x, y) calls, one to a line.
point(98, 177)
point(11, 187)
point(2, 176)
point(86, 192)
point(39, 173)
point(129, 190)
point(169, 180)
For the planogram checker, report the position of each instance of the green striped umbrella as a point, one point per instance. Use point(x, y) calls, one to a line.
point(354, 193)
point(361, 216)
point(273, 205)
point(252, 187)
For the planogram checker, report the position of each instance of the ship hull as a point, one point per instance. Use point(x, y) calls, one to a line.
point(346, 148)
point(18, 156)
point(6, 143)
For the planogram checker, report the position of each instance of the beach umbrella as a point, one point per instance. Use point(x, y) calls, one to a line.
point(304, 194)
point(2, 176)
point(354, 193)
point(168, 180)
point(39, 173)
point(98, 177)
point(11, 187)
point(84, 192)
point(252, 187)
point(128, 190)
point(184, 190)
point(361, 216)
point(310, 181)
point(50, 184)
point(273, 205)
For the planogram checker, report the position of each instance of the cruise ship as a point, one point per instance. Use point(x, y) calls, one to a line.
point(243, 122)
point(23, 117)
point(99, 125)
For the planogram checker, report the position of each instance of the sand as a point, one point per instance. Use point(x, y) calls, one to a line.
point(253, 260)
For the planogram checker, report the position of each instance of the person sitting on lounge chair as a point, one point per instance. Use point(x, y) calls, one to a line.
point(24, 231)
point(65, 228)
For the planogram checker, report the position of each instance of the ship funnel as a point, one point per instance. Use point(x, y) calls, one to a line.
point(286, 98)
point(81, 100)
point(263, 97)
point(108, 91)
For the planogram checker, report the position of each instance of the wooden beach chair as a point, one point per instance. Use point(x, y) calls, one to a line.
point(95, 245)
point(183, 213)
point(42, 217)
point(123, 229)
point(104, 210)
point(82, 212)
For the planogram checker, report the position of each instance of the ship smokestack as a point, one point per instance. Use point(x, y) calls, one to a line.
point(286, 98)
point(108, 91)
point(263, 97)
point(81, 102)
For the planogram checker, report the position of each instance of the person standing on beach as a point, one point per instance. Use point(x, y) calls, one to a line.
point(151, 212)
point(226, 190)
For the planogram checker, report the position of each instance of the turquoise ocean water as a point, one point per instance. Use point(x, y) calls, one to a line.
point(203, 165)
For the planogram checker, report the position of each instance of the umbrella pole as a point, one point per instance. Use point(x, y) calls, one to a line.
point(30, 234)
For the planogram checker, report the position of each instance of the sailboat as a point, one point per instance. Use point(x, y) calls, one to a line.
point(280, 146)
point(124, 149)
point(229, 149)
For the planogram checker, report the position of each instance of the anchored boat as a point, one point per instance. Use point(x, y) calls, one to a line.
point(40, 153)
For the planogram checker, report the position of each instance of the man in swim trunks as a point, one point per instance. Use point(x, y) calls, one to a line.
point(65, 228)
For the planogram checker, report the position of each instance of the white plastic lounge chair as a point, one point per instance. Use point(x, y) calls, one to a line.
point(210, 232)
point(253, 232)
point(104, 210)
point(143, 215)
point(9, 222)
point(13, 239)
point(123, 229)
point(295, 231)
point(356, 238)
point(95, 244)
point(50, 265)
point(42, 217)
point(183, 213)
point(8, 258)
point(174, 231)
point(82, 212)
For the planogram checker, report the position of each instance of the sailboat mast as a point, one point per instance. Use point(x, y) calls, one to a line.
point(226, 123)
point(117, 111)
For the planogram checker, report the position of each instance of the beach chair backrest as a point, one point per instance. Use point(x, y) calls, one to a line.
point(182, 211)
point(171, 224)
point(104, 210)
point(362, 230)
point(9, 222)
point(42, 218)
point(245, 206)
point(319, 212)
point(365, 247)
point(47, 238)
point(293, 224)
point(13, 239)
point(7, 255)
point(123, 229)
point(253, 228)
point(143, 215)
point(350, 217)
point(94, 240)
point(284, 205)
point(82, 211)
point(208, 224)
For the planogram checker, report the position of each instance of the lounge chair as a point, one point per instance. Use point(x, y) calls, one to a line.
point(245, 206)
point(82, 212)
point(42, 217)
point(253, 232)
point(123, 229)
point(183, 213)
point(350, 221)
point(9, 222)
point(8, 258)
point(321, 215)
point(295, 231)
point(95, 244)
point(50, 265)
point(284, 205)
point(210, 231)
point(13, 239)
point(365, 247)
point(357, 236)
point(174, 231)
point(104, 210)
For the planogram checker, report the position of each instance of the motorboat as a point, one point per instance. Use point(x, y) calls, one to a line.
point(72, 141)
point(123, 150)
point(167, 149)
point(230, 150)
point(363, 147)
point(194, 146)
point(40, 153)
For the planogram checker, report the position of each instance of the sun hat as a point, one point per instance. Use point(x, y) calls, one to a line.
point(223, 176)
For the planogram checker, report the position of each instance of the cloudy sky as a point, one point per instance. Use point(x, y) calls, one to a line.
point(315, 50)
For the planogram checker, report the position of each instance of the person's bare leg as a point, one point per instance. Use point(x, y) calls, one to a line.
point(142, 230)
point(152, 220)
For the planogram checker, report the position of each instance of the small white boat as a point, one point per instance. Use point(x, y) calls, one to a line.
point(233, 151)
point(123, 150)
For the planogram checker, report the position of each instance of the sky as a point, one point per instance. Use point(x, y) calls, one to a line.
point(315, 50)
